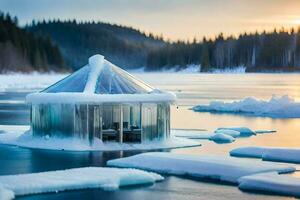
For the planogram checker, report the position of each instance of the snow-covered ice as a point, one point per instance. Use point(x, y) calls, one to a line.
point(244, 131)
point(77, 178)
point(271, 182)
point(233, 70)
point(223, 168)
point(222, 138)
point(191, 133)
point(6, 194)
point(14, 135)
point(220, 135)
point(28, 82)
point(276, 107)
point(291, 155)
point(232, 133)
point(265, 131)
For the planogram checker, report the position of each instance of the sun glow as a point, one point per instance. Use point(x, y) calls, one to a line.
point(296, 21)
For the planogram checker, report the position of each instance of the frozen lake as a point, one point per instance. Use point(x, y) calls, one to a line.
point(191, 89)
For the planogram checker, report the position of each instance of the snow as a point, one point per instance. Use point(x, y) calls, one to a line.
point(244, 131)
point(233, 70)
point(276, 107)
point(72, 98)
point(230, 132)
point(291, 155)
point(220, 135)
point(6, 194)
point(265, 131)
point(14, 135)
point(191, 134)
point(28, 82)
point(271, 182)
point(96, 63)
point(223, 168)
point(78, 178)
point(222, 138)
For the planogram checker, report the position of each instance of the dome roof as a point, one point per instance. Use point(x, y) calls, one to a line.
point(100, 81)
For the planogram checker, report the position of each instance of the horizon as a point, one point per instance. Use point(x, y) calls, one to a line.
point(167, 18)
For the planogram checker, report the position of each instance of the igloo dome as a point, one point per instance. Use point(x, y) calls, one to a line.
point(101, 100)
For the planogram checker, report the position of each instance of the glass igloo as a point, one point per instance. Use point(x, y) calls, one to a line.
point(101, 100)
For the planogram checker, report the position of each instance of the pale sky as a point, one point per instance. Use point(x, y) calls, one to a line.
point(175, 19)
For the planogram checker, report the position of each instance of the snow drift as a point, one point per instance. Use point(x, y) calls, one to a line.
point(78, 178)
point(291, 155)
point(276, 107)
point(221, 168)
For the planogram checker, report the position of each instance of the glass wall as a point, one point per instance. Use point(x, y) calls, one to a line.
point(137, 122)
point(52, 119)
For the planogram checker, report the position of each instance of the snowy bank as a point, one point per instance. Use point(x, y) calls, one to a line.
point(276, 107)
point(222, 168)
point(14, 135)
point(78, 178)
point(290, 155)
point(271, 182)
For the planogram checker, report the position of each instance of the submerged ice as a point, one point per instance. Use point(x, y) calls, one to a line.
point(276, 107)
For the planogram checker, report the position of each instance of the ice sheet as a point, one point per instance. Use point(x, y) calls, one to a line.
point(291, 155)
point(78, 178)
point(223, 168)
point(272, 183)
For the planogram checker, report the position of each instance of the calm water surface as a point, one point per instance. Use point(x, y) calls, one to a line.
point(191, 89)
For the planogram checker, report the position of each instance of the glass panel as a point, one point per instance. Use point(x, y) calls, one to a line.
point(149, 122)
point(113, 80)
point(81, 121)
point(54, 120)
point(74, 83)
point(111, 120)
point(163, 120)
point(132, 123)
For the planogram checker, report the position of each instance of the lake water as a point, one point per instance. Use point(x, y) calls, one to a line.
point(191, 89)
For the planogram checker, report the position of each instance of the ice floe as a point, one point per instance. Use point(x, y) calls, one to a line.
point(291, 155)
point(232, 133)
point(276, 107)
point(220, 135)
point(6, 194)
point(271, 182)
point(244, 131)
point(222, 168)
point(222, 138)
point(77, 178)
point(14, 135)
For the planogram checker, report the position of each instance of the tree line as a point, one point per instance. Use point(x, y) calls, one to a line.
point(55, 44)
point(278, 50)
point(21, 50)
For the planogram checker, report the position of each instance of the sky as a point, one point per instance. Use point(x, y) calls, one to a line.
point(174, 19)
